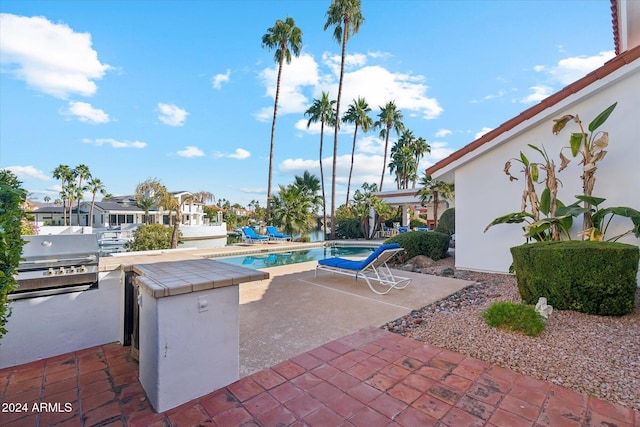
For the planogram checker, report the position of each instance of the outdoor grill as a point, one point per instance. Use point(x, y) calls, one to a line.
point(56, 264)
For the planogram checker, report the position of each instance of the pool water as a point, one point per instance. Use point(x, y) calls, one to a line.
point(274, 259)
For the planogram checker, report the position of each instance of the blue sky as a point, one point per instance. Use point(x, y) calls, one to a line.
point(183, 91)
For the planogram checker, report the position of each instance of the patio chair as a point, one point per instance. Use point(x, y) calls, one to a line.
point(250, 236)
point(374, 269)
point(274, 234)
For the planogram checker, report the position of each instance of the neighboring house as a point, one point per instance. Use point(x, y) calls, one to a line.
point(484, 192)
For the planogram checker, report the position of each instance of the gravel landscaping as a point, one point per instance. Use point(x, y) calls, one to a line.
point(595, 355)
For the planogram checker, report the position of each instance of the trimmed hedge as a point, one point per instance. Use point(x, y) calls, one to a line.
point(447, 222)
point(587, 276)
point(431, 243)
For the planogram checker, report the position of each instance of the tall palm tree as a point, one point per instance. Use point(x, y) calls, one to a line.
point(322, 110)
point(420, 147)
point(82, 172)
point(63, 173)
point(358, 114)
point(404, 165)
point(95, 186)
point(285, 38)
point(388, 118)
point(345, 16)
point(431, 192)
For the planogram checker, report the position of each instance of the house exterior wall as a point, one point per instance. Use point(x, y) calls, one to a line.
point(484, 192)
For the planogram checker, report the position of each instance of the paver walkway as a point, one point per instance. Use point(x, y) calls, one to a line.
point(370, 378)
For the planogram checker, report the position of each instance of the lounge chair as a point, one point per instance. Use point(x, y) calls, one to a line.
point(250, 236)
point(374, 269)
point(274, 234)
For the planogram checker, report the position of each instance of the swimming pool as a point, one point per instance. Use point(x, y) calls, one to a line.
point(274, 259)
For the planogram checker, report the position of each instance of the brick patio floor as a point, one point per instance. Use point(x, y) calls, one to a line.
point(370, 378)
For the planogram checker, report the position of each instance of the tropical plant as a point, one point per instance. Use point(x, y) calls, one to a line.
point(559, 218)
point(388, 118)
point(286, 39)
point(322, 110)
point(12, 196)
point(293, 210)
point(309, 184)
point(357, 114)
point(82, 172)
point(345, 16)
point(431, 192)
point(64, 174)
point(95, 186)
point(364, 200)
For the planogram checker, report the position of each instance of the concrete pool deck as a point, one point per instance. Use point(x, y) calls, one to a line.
point(293, 311)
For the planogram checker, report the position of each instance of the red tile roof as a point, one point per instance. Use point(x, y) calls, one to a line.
point(609, 67)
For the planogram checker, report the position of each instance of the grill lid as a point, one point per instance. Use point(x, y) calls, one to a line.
point(46, 251)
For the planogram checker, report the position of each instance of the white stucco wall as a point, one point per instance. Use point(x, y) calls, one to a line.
point(484, 192)
point(49, 326)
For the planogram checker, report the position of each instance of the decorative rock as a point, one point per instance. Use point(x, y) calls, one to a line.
point(447, 272)
point(544, 309)
point(421, 261)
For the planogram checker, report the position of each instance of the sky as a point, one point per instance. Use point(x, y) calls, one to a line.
point(183, 91)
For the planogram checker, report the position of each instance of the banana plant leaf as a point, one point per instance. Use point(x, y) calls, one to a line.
point(592, 200)
point(602, 117)
point(632, 214)
point(512, 218)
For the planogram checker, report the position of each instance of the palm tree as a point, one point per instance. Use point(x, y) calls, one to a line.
point(388, 118)
point(63, 173)
point(47, 199)
point(346, 17)
point(420, 148)
point(148, 195)
point(310, 185)
point(322, 110)
point(82, 172)
point(285, 38)
point(431, 192)
point(95, 186)
point(404, 165)
point(358, 114)
point(293, 210)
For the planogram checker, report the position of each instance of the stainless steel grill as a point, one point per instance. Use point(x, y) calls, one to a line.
point(56, 264)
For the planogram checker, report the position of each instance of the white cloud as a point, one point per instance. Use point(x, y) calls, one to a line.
point(23, 172)
point(482, 132)
point(441, 133)
point(253, 190)
point(218, 79)
point(85, 112)
point(239, 154)
point(538, 94)
point(301, 72)
point(439, 150)
point(49, 57)
point(351, 61)
point(172, 115)
point(114, 143)
point(569, 70)
point(190, 151)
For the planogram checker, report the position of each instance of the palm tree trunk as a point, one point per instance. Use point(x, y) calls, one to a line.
point(176, 229)
point(337, 127)
point(436, 202)
point(384, 163)
point(324, 200)
point(273, 133)
point(93, 201)
point(353, 150)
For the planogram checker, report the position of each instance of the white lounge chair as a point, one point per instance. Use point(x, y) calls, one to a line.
point(374, 269)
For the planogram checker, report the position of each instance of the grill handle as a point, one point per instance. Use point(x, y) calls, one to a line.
point(89, 258)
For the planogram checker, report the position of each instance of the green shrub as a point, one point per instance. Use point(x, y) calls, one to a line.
point(587, 276)
point(12, 195)
point(349, 229)
point(151, 237)
point(432, 244)
point(447, 222)
point(414, 223)
point(515, 317)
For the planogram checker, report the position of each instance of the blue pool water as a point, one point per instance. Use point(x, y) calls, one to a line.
point(274, 259)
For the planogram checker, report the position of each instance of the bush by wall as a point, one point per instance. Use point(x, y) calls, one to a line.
point(432, 244)
point(349, 229)
point(12, 195)
point(447, 222)
point(151, 237)
point(587, 276)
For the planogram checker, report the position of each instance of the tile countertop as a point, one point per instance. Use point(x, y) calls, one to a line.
point(163, 279)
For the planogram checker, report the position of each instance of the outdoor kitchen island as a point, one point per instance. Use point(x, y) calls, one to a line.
point(189, 327)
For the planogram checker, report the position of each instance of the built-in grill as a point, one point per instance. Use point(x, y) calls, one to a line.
point(55, 264)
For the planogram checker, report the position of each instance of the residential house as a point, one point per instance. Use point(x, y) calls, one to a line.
point(484, 192)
